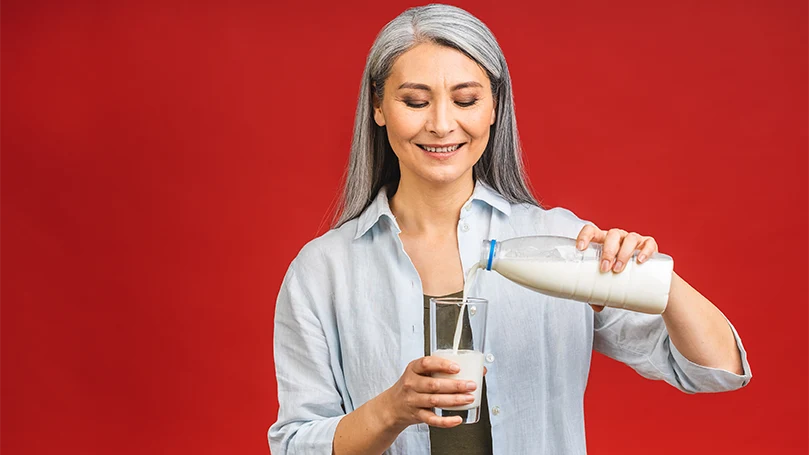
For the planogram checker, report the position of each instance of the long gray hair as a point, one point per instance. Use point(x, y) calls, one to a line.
point(372, 163)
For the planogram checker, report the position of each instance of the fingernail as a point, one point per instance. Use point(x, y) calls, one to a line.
point(618, 266)
point(641, 258)
point(471, 386)
point(580, 245)
point(454, 368)
point(605, 265)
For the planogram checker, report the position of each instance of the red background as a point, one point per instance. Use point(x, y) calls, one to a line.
point(163, 163)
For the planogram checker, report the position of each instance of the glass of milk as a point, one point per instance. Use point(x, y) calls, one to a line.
point(458, 333)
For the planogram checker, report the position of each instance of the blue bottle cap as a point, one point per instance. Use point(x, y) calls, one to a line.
point(491, 254)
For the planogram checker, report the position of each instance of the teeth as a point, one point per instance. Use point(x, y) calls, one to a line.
point(441, 149)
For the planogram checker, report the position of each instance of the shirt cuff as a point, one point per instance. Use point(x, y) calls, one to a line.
point(697, 378)
point(315, 437)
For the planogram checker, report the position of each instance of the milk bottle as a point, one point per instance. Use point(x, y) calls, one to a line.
point(554, 266)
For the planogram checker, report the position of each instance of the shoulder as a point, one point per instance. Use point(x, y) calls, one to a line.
point(538, 220)
point(315, 269)
point(319, 252)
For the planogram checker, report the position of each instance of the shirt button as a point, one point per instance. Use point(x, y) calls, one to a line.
point(490, 358)
point(496, 410)
point(465, 227)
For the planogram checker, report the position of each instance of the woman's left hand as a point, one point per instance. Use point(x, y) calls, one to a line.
point(618, 247)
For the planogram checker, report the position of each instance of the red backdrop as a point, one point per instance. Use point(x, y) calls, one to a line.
point(163, 163)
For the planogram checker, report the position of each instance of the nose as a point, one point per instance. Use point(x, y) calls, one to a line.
point(441, 120)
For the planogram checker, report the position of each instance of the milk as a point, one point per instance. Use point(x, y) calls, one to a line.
point(471, 363)
point(470, 278)
point(554, 266)
point(638, 287)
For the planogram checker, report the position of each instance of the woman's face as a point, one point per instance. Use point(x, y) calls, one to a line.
point(437, 108)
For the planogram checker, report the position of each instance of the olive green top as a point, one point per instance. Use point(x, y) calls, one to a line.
point(466, 439)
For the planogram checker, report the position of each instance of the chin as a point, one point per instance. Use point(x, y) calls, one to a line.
point(446, 177)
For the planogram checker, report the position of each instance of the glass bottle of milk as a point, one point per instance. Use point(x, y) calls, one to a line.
point(554, 266)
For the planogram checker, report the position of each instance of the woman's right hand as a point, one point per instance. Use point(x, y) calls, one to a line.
point(411, 399)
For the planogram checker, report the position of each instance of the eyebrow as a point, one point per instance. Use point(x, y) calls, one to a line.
point(462, 85)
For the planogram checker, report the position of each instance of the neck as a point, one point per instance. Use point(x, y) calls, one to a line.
point(426, 208)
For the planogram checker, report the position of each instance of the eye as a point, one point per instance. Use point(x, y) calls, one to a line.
point(415, 104)
point(467, 103)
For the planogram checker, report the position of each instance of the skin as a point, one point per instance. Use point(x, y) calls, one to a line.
point(436, 96)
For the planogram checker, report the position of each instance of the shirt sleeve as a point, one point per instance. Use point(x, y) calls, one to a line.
point(642, 342)
point(310, 405)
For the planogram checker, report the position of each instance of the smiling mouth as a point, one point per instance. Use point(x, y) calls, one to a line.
point(446, 149)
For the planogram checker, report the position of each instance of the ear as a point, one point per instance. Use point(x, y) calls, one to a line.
point(379, 117)
point(494, 116)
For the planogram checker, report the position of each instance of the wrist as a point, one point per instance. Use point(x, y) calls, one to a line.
point(675, 289)
point(383, 408)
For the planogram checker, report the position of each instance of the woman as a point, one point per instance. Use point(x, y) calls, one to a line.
point(435, 167)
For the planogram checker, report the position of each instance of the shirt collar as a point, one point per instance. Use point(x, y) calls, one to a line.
point(487, 194)
point(380, 207)
point(370, 216)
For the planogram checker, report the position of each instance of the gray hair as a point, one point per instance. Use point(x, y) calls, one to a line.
point(372, 163)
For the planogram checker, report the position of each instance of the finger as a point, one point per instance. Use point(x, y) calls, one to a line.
point(589, 233)
point(438, 400)
point(431, 364)
point(612, 243)
point(597, 308)
point(440, 385)
point(648, 248)
point(433, 420)
point(628, 247)
point(485, 370)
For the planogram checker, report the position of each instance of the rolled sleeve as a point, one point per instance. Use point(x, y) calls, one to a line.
point(642, 342)
point(316, 437)
point(310, 404)
point(697, 378)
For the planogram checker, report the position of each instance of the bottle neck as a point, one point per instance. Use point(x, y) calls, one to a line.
point(488, 254)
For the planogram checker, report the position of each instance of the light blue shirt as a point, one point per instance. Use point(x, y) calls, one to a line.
point(349, 319)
